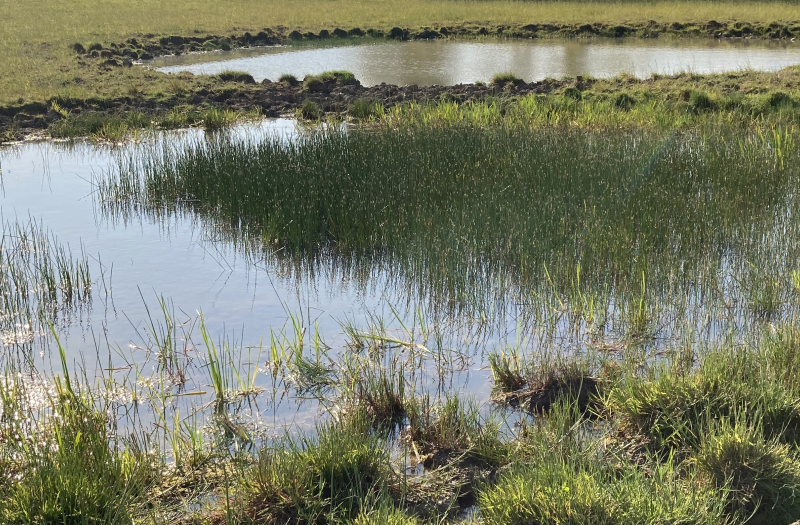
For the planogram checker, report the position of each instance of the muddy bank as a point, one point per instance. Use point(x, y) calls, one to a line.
point(328, 95)
point(150, 46)
point(272, 99)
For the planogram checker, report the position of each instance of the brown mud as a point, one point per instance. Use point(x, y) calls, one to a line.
point(151, 46)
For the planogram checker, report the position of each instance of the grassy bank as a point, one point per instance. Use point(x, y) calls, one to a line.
point(39, 63)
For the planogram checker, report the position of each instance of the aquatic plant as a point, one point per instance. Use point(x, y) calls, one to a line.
point(471, 217)
point(40, 280)
point(310, 110)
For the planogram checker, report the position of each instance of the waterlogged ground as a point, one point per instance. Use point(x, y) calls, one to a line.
point(271, 277)
point(138, 261)
point(730, 267)
point(453, 62)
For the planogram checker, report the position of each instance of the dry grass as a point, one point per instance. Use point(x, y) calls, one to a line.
point(38, 64)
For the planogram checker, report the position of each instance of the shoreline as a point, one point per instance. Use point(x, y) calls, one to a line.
point(231, 96)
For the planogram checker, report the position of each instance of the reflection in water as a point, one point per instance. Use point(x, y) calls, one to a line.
point(454, 62)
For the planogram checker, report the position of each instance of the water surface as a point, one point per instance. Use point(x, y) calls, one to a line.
point(447, 62)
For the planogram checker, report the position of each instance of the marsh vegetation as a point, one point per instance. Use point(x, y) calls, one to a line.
point(631, 295)
point(589, 306)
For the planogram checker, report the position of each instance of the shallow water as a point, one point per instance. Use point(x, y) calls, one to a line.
point(137, 256)
point(446, 62)
point(136, 261)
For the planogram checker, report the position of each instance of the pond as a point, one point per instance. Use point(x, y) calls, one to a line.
point(448, 62)
point(138, 260)
point(290, 257)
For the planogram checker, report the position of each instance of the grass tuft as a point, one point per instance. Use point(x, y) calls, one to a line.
point(324, 81)
point(365, 110)
point(241, 77)
point(291, 80)
point(310, 110)
point(329, 477)
point(502, 79)
point(757, 475)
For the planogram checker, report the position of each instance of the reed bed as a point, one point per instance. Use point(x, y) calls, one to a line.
point(636, 235)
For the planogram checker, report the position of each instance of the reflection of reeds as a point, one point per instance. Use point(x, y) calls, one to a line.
point(40, 280)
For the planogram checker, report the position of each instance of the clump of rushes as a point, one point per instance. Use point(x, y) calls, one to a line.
point(699, 102)
point(328, 78)
point(503, 79)
point(326, 478)
point(570, 381)
point(573, 93)
point(365, 110)
point(310, 110)
point(624, 101)
point(760, 477)
point(437, 433)
point(242, 77)
point(291, 80)
point(507, 370)
point(381, 391)
point(538, 387)
point(215, 119)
